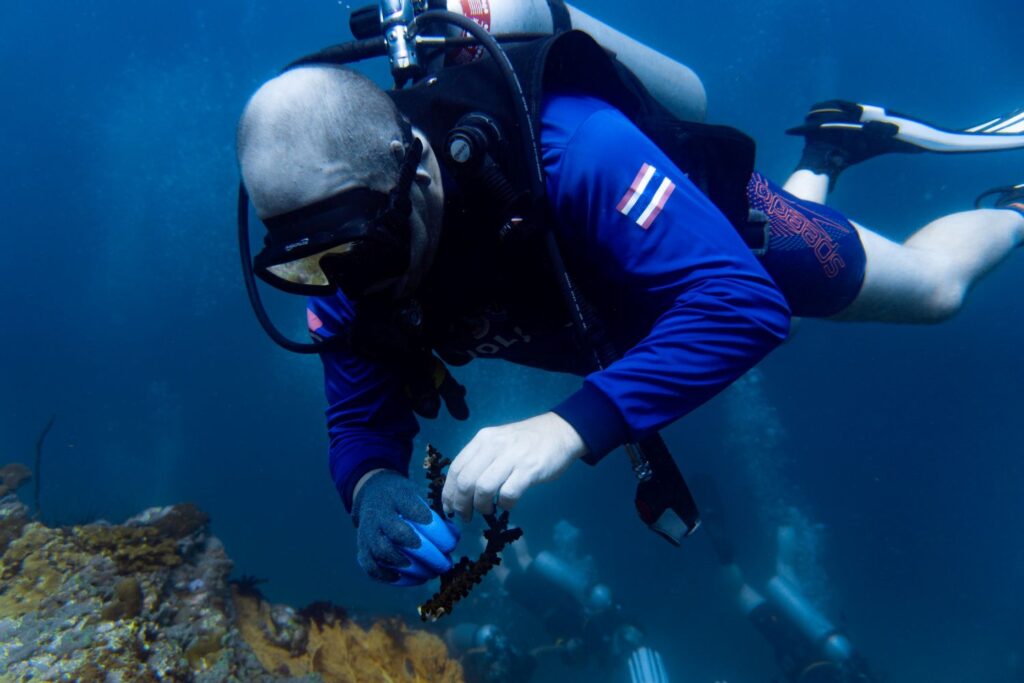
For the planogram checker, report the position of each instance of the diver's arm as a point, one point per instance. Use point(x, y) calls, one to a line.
point(369, 421)
point(399, 539)
point(713, 312)
point(699, 309)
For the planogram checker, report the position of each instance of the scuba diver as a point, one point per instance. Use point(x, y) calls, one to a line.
point(585, 625)
point(546, 201)
point(808, 647)
point(487, 655)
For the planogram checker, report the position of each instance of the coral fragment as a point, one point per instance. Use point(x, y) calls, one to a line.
point(457, 582)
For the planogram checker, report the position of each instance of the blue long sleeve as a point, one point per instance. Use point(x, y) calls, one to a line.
point(677, 286)
point(369, 421)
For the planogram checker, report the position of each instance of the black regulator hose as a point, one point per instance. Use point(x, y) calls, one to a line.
point(345, 53)
point(250, 283)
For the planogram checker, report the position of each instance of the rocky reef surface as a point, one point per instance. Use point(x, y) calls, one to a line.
point(150, 600)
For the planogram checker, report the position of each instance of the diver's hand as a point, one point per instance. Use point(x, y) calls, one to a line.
point(400, 539)
point(505, 461)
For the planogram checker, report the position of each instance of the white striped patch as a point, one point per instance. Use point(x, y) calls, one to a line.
point(636, 189)
point(646, 197)
point(665, 191)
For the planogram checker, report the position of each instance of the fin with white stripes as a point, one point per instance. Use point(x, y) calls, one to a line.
point(1012, 123)
point(840, 134)
point(645, 666)
point(836, 116)
point(1001, 133)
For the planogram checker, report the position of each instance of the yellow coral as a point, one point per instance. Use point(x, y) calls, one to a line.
point(33, 568)
point(37, 564)
point(133, 549)
point(343, 651)
point(127, 601)
point(205, 651)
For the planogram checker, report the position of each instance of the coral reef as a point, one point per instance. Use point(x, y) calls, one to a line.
point(13, 517)
point(149, 600)
point(288, 643)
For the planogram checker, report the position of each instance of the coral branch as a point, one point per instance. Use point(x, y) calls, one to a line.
point(434, 464)
point(459, 581)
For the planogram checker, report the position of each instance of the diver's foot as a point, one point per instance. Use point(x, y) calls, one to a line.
point(1010, 197)
point(838, 137)
point(840, 134)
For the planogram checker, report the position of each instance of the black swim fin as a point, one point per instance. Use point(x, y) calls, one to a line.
point(1009, 197)
point(840, 134)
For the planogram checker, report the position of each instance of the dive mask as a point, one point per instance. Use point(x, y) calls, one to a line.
point(352, 241)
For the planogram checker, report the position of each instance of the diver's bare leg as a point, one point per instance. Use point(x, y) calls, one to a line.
point(808, 185)
point(925, 279)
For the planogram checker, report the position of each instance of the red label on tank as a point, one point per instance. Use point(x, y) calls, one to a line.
point(480, 12)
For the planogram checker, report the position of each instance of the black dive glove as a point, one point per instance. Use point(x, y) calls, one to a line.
point(400, 540)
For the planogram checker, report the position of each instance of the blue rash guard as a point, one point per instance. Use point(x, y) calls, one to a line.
point(674, 282)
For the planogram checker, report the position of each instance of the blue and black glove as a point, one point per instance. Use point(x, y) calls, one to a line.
point(401, 541)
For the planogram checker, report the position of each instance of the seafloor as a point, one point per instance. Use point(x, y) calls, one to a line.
point(151, 600)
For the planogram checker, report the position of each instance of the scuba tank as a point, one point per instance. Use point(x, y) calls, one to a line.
point(815, 626)
point(673, 84)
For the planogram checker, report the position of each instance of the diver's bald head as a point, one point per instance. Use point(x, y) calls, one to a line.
point(315, 131)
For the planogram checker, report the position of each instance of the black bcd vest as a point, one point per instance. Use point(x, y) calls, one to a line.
point(473, 255)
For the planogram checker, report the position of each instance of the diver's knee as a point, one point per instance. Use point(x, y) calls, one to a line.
point(941, 287)
point(944, 301)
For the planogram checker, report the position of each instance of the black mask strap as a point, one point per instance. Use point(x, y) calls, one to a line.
point(399, 200)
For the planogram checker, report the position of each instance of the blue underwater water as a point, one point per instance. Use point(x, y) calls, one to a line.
point(894, 451)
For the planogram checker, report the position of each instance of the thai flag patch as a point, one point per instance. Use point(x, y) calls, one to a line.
point(646, 196)
point(314, 324)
